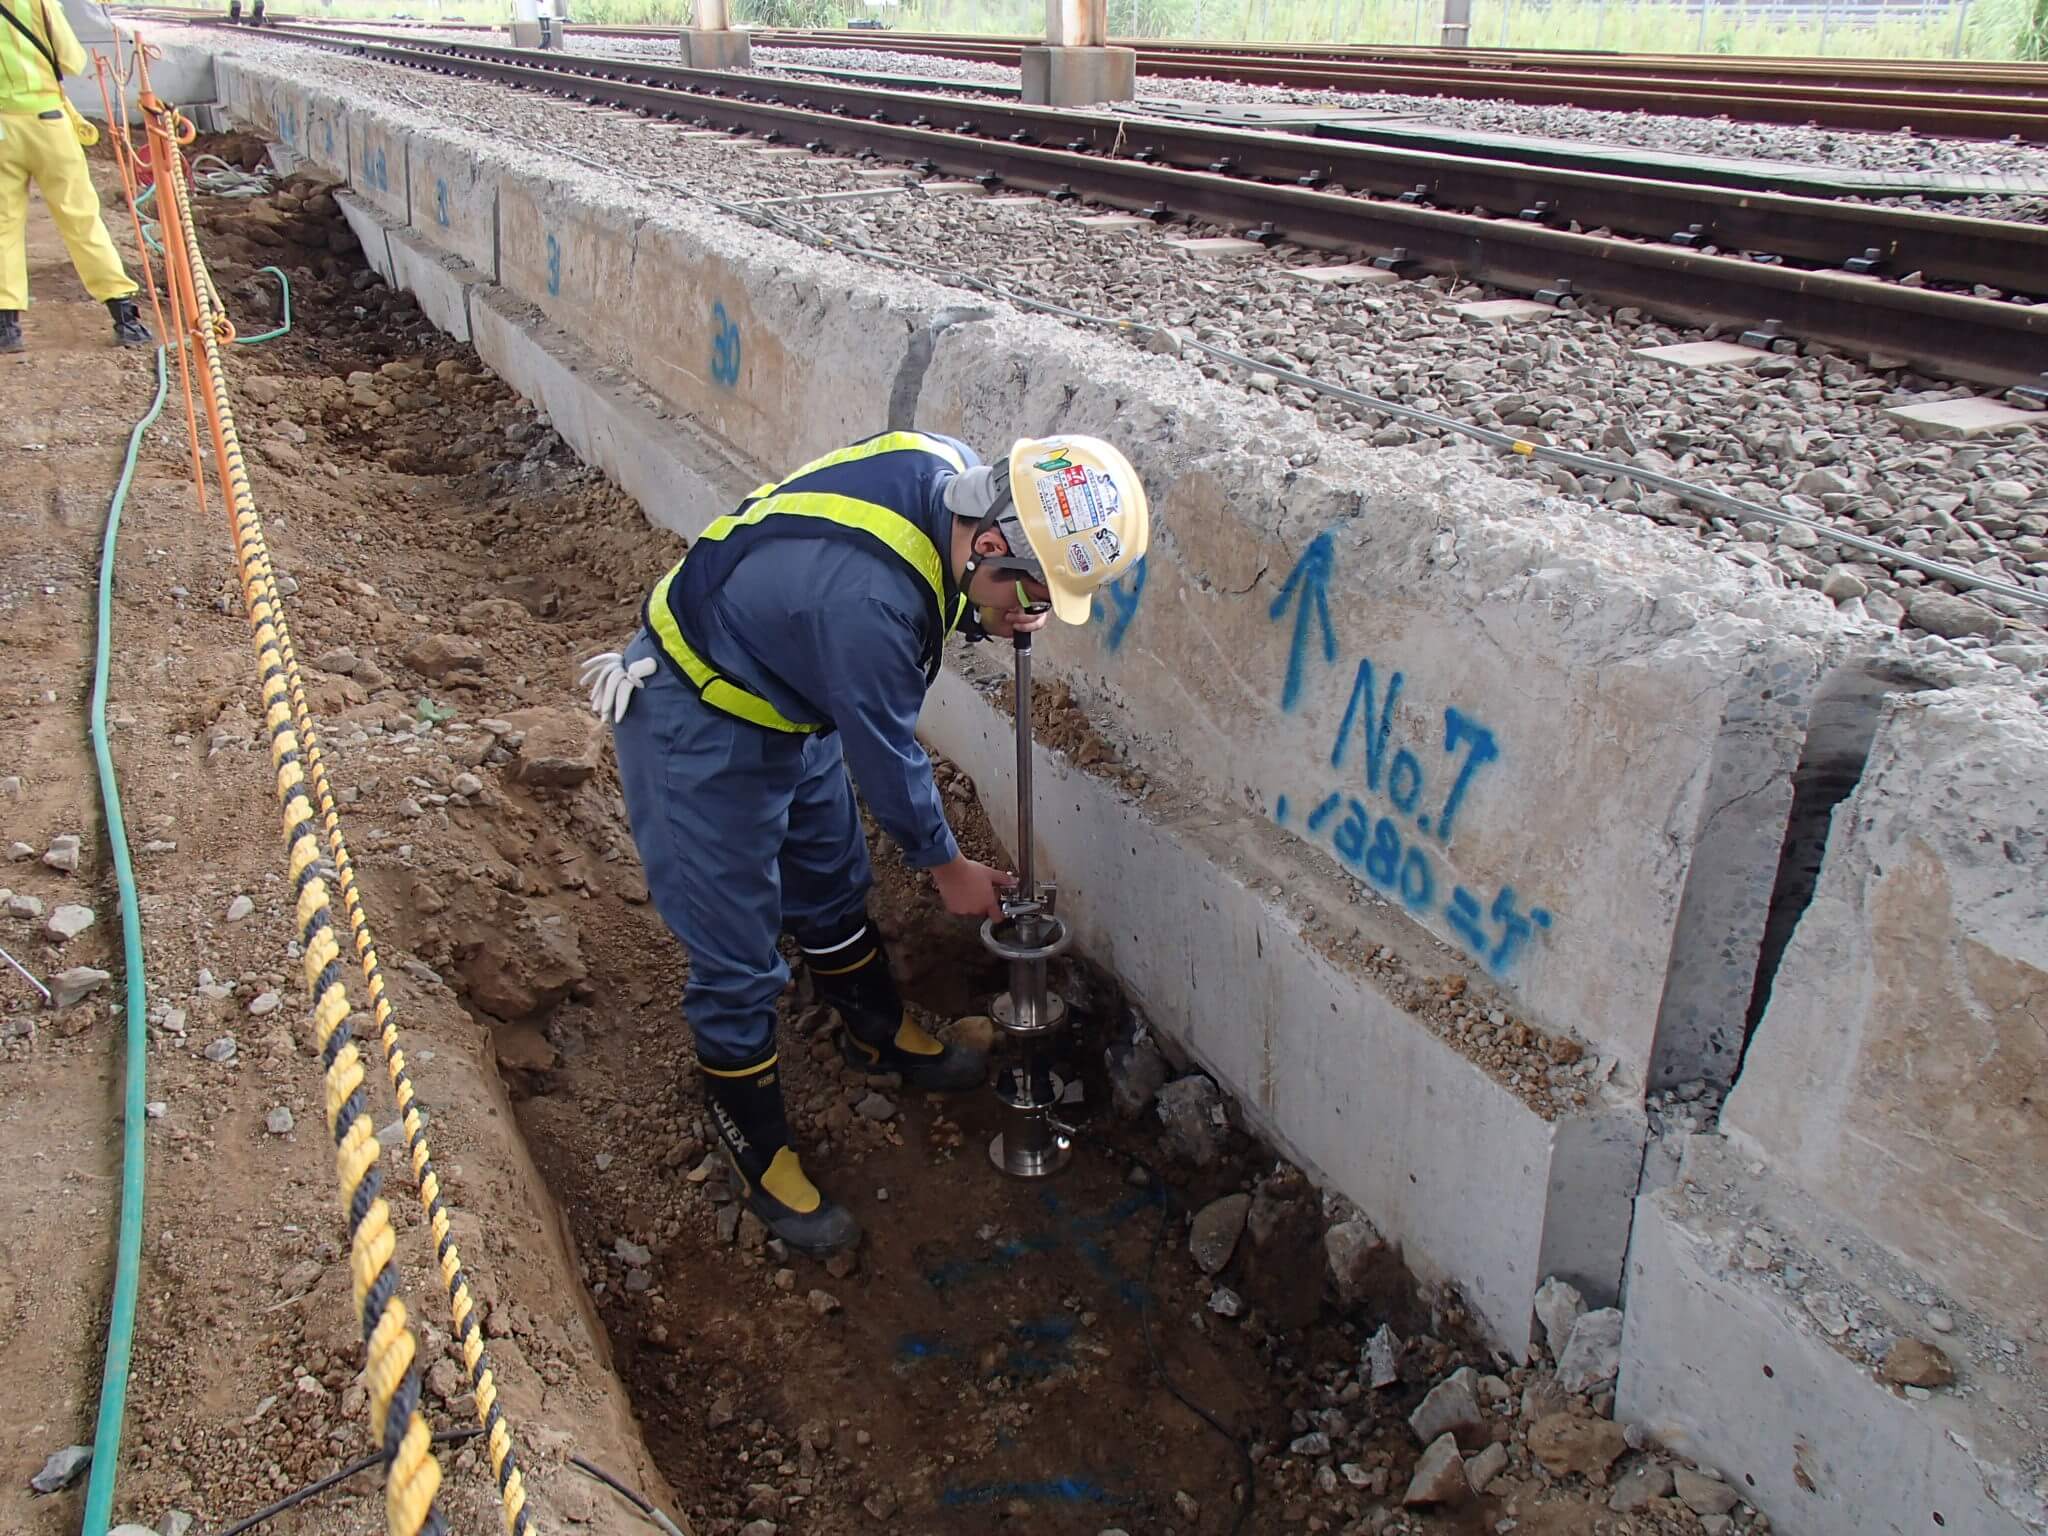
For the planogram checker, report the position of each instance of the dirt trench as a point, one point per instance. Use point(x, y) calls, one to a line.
point(981, 1364)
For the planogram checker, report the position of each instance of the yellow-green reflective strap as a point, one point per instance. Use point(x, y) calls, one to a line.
point(714, 690)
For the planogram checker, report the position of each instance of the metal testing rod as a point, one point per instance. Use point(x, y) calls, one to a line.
point(1033, 1142)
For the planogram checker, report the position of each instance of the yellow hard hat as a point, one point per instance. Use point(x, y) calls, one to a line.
point(1082, 510)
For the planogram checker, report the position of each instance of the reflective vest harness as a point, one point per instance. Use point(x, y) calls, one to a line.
point(840, 496)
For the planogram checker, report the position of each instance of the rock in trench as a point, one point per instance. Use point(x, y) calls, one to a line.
point(1592, 1355)
point(63, 854)
point(1191, 1109)
point(1558, 1306)
point(62, 1469)
point(1912, 1363)
point(1638, 1486)
point(1217, 1227)
point(1451, 1408)
point(68, 922)
point(1136, 1073)
point(1353, 1250)
point(1570, 1446)
point(1701, 1494)
point(1439, 1476)
point(76, 984)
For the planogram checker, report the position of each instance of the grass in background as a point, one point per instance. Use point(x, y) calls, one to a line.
point(1984, 29)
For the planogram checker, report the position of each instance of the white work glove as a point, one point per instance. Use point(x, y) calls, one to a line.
point(612, 683)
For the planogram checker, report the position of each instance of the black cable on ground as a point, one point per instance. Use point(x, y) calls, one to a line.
point(637, 1500)
point(291, 1500)
point(1244, 1455)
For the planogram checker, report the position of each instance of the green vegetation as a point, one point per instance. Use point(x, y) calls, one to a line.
point(1985, 29)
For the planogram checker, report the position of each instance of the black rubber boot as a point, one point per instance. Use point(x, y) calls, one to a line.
point(129, 330)
point(850, 974)
point(746, 1107)
point(10, 331)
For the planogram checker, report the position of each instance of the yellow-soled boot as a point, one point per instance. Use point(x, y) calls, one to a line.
point(852, 976)
point(746, 1107)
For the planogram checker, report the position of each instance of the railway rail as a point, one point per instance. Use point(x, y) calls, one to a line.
point(1318, 193)
point(1945, 99)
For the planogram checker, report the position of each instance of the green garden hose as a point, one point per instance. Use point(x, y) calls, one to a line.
point(106, 1445)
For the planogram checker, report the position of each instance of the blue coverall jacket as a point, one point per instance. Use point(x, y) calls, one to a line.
point(746, 832)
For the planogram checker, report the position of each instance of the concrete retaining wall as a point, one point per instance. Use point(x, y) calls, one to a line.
point(1518, 721)
point(1899, 1070)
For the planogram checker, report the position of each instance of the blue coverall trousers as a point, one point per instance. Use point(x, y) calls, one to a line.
point(743, 832)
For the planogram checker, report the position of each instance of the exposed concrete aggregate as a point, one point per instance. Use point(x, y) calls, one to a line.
point(1803, 433)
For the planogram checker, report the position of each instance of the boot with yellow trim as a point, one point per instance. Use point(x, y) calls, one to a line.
point(746, 1107)
point(850, 973)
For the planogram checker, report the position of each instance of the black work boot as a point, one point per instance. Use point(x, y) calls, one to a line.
point(746, 1107)
point(10, 331)
point(851, 975)
point(129, 330)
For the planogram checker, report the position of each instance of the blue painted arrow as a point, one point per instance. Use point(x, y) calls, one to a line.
point(1311, 578)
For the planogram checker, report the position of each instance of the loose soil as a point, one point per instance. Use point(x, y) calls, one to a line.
point(982, 1364)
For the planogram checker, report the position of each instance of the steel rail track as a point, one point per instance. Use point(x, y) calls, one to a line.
point(1944, 333)
point(1817, 231)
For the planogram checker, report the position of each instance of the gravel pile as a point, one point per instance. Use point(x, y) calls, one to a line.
point(1803, 434)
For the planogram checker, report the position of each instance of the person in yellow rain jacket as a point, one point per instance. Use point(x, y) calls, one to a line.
point(39, 143)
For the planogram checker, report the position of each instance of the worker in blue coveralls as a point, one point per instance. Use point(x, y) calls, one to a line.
point(795, 641)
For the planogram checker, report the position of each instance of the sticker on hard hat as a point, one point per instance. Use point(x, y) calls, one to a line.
point(1108, 545)
point(1077, 498)
point(1078, 558)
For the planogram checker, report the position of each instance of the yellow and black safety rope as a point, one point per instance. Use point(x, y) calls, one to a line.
point(464, 1311)
point(413, 1476)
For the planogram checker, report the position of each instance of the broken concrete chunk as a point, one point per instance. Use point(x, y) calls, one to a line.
point(1451, 1408)
point(1558, 1306)
point(1352, 1248)
point(63, 854)
point(1592, 1355)
point(1191, 1109)
point(1383, 1357)
point(1217, 1227)
point(631, 1253)
point(1439, 1476)
point(559, 748)
point(1136, 1072)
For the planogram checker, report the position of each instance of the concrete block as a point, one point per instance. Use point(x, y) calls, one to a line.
point(778, 151)
point(1356, 274)
point(882, 175)
point(1503, 311)
point(377, 164)
point(1896, 1073)
point(441, 282)
point(1113, 223)
point(453, 199)
point(1731, 1368)
point(1471, 1183)
point(680, 480)
point(1962, 418)
point(1700, 355)
point(1078, 77)
point(568, 249)
point(1216, 247)
point(951, 188)
point(702, 49)
point(1561, 744)
point(371, 232)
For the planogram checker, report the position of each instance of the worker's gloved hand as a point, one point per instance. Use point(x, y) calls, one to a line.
point(970, 889)
point(612, 683)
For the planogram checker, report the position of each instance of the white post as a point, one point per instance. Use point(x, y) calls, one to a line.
point(1824, 9)
point(1962, 17)
point(1072, 23)
point(711, 16)
point(1700, 45)
point(1599, 24)
point(1415, 28)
